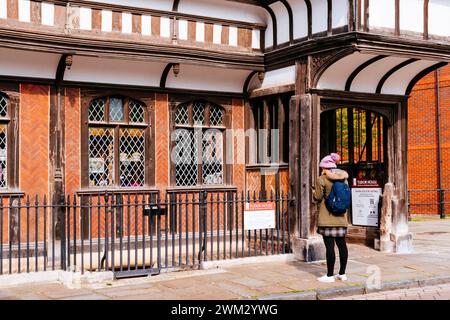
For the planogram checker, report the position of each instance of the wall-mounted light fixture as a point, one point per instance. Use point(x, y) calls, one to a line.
point(261, 76)
point(176, 69)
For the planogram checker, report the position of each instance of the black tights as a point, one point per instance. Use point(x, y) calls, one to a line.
point(331, 257)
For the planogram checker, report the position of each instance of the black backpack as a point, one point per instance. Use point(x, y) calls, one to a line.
point(338, 201)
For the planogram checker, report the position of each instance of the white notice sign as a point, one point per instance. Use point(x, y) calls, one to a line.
point(259, 215)
point(365, 206)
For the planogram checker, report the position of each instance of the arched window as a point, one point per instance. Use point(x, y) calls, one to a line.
point(4, 121)
point(198, 152)
point(117, 142)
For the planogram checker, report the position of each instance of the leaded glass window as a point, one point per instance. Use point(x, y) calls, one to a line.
point(117, 142)
point(198, 149)
point(4, 104)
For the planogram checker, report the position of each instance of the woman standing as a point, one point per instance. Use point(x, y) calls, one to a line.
point(333, 228)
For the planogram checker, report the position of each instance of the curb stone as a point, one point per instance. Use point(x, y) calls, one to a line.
point(362, 289)
point(306, 295)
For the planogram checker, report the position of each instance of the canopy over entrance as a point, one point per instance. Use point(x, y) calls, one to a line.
point(372, 73)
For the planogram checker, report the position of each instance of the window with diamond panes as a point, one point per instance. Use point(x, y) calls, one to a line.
point(117, 142)
point(198, 148)
point(4, 103)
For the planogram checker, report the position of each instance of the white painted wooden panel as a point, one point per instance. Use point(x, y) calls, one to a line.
point(337, 74)
point(223, 9)
point(411, 15)
point(200, 31)
point(165, 27)
point(367, 80)
point(21, 63)
point(182, 29)
point(282, 16)
point(107, 20)
point(382, 14)
point(439, 17)
point(24, 10)
point(300, 14)
point(340, 13)
point(3, 9)
point(48, 13)
point(233, 36)
point(319, 15)
point(196, 77)
point(256, 39)
point(115, 71)
point(85, 18)
point(217, 33)
point(127, 22)
point(399, 81)
point(146, 25)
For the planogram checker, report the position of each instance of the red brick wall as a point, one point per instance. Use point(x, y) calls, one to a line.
point(34, 139)
point(422, 140)
point(162, 151)
point(72, 140)
point(238, 144)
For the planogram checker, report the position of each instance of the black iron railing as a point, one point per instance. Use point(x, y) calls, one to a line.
point(133, 234)
point(428, 201)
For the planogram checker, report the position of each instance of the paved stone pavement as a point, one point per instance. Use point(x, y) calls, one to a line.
point(440, 292)
point(276, 280)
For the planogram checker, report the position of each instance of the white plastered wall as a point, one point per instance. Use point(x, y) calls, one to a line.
point(269, 32)
point(411, 15)
point(194, 77)
point(3, 9)
point(300, 13)
point(337, 74)
point(382, 14)
point(30, 64)
point(222, 9)
point(439, 17)
point(115, 71)
point(282, 16)
point(340, 13)
point(319, 15)
point(165, 5)
point(274, 78)
point(367, 80)
point(398, 82)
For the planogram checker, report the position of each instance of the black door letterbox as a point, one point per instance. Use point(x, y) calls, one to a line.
point(154, 210)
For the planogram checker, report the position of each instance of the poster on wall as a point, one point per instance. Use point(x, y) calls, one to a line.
point(259, 215)
point(365, 202)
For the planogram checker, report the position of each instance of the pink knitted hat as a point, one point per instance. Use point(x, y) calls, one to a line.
point(329, 161)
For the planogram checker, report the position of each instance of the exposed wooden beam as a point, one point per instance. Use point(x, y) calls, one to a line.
point(64, 62)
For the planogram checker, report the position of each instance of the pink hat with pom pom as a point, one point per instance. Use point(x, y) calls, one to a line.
point(329, 161)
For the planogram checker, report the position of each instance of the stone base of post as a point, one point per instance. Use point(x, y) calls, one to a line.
point(310, 249)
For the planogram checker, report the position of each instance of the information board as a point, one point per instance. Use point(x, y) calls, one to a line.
point(259, 215)
point(365, 203)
